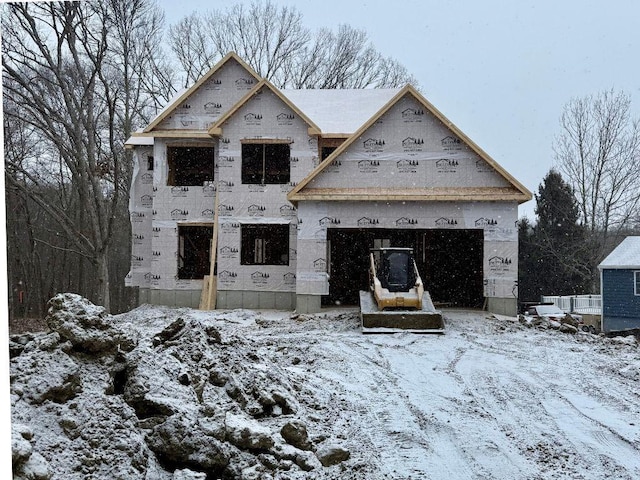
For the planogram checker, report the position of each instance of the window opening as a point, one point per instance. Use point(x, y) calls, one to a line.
point(265, 244)
point(194, 251)
point(326, 151)
point(150, 162)
point(636, 276)
point(266, 163)
point(190, 166)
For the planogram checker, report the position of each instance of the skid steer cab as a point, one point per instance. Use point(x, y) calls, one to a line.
point(394, 279)
point(397, 300)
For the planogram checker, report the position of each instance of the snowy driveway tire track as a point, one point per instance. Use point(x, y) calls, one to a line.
point(489, 399)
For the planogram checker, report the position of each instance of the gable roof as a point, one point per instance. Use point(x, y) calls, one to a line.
point(184, 94)
point(626, 255)
point(216, 128)
point(516, 191)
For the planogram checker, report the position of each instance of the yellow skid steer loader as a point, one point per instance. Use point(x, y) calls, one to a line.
point(396, 300)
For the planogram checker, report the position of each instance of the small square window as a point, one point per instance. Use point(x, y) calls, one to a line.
point(265, 244)
point(190, 165)
point(266, 163)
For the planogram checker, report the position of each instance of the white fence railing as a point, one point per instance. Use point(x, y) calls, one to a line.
point(576, 303)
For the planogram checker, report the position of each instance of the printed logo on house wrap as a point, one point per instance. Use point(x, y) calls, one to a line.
point(285, 118)
point(371, 145)
point(224, 143)
point(406, 222)
point(227, 278)
point(287, 187)
point(146, 201)
point(212, 108)
point(244, 83)
point(155, 279)
point(499, 265)
point(289, 278)
point(185, 120)
point(229, 227)
point(208, 213)
point(179, 191)
point(228, 252)
point(155, 255)
point(259, 278)
point(333, 167)
point(209, 189)
point(257, 188)
point(410, 115)
point(225, 210)
point(326, 221)
point(156, 232)
point(225, 161)
point(225, 186)
point(447, 165)
point(256, 210)
point(444, 222)
point(252, 118)
point(483, 167)
point(137, 217)
point(136, 260)
point(407, 166)
point(451, 144)
point(179, 214)
point(287, 211)
point(212, 84)
point(485, 222)
point(367, 222)
point(147, 178)
point(138, 239)
point(368, 166)
point(411, 144)
point(320, 265)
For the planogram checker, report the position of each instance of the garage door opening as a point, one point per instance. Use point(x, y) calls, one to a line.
point(449, 262)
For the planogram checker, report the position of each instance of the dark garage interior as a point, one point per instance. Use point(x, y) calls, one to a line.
point(449, 262)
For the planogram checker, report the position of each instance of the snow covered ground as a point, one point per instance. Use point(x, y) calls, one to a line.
point(489, 399)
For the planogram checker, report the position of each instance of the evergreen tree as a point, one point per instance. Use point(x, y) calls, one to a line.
point(559, 242)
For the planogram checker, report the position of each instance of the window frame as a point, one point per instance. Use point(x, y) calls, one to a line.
point(256, 160)
point(264, 244)
point(636, 283)
point(180, 172)
point(191, 258)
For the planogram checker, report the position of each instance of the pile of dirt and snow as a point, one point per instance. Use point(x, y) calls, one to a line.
point(161, 393)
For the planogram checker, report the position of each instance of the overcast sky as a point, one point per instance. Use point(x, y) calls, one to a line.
point(501, 70)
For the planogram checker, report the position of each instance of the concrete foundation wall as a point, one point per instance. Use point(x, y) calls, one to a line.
point(308, 303)
point(228, 299)
point(503, 306)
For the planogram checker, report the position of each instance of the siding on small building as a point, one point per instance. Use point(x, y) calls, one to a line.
point(620, 295)
point(620, 304)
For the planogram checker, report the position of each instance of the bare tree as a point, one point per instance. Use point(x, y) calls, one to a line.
point(276, 44)
point(598, 150)
point(77, 74)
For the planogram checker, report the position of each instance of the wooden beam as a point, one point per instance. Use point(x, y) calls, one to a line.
point(212, 291)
